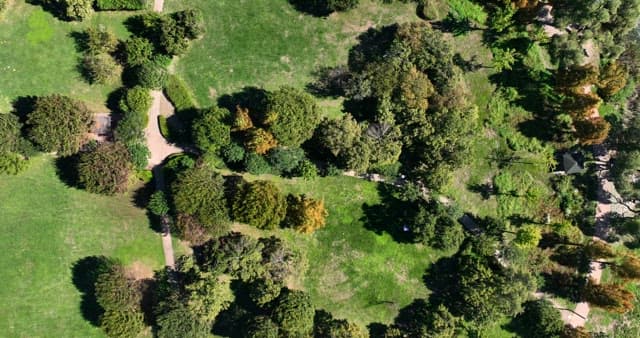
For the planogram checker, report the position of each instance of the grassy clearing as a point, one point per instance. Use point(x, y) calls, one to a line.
point(48, 226)
point(267, 43)
point(38, 55)
point(350, 270)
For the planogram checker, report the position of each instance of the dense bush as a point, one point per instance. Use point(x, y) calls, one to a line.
point(105, 169)
point(260, 204)
point(294, 313)
point(259, 141)
point(165, 131)
point(256, 164)
point(99, 41)
point(306, 169)
point(210, 132)
point(101, 68)
point(158, 204)
point(305, 214)
point(179, 93)
point(292, 116)
point(173, 38)
point(235, 254)
point(12, 163)
point(114, 5)
point(136, 100)
point(10, 132)
point(261, 327)
point(199, 191)
point(179, 321)
point(233, 153)
point(192, 22)
point(137, 51)
point(139, 154)
point(152, 74)
point(130, 129)
point(59, 123)
point(77, 9)
point(285, 160)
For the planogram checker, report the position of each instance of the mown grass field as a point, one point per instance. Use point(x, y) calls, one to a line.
point(38, 55)
point(349, 269)
point(267, 43)
point(46, 227)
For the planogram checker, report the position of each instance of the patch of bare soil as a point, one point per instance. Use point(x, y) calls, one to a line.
point(139, 270)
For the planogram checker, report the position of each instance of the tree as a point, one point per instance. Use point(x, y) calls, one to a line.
point(158, 204)
point(78, 9)
point(278, 260)
point(261, 327)
point(260, 141)
point(449, 234)
point(188, 228)
point(612, 79)
point(181, 322)
point(210, 133)
point(152, 74)
point(335, 136)
point(139, 154)
point(305, 214)
point(105, 169)
point(264, 290)
point(122, 323)
point(292, 116)
point(137, 50)
point(415, 90)
point(199, 191)
point(422, 319)
point(293, 311)
point(592, 131)
point(540, 319)
point(10, 133)
point(610, 297)
point(58, 124)
point(260, 204)
point(233, 153)
point(256, 164)
point(528, 236)
point(101, 68)
point(629, 268)
point(100, 41)
point(234, 254)
point(173, 37)
point(624, 174)
point(242, 120)
point(208, 295)
point(192, 21)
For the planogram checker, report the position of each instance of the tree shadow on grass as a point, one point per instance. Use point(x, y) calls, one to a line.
point(84, 273)
point(67, 170)
point(56, 8)
point(252, 98)
point(316, 8)
point(391, 215)
point(24, 105)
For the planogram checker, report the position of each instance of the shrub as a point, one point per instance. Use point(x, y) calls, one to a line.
point(256, 164)
point(164, 127)
point(137, 51)
point(122, 324)
point(12, 163)
point(260, 141)
point(306, 169)
point(59, 123)
point(152, 74)
point(78, 9)
point(172, 38)
point(139, 154)
point(158, 204)
point(136, 100)
point(10, 132)
point(233, 153)
point(261, 327)
point(130, 129)
point(114, 5)
point(304, 214)
point(466, 10)
point(179, 93)
point(285, 160)
point(260, 204)
point(101, 68)
point(540, 319)
point(210, 133)
point(106, 169)
point(100, 41)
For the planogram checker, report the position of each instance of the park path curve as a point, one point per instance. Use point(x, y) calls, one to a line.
point(158, 145)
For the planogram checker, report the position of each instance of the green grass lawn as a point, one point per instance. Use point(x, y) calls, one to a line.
point(267, 43)
point(350, 270)
point(39, 56)
point(46, 227)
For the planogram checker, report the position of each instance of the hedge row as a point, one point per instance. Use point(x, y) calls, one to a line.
point(114, 5)
point(179, 93)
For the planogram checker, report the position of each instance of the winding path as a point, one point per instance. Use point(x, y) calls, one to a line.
point(160, 149)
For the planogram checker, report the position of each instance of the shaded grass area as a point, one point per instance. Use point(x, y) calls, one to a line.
point(46, 228)
point(352, 271)
point(39, 56)
point(267, 43)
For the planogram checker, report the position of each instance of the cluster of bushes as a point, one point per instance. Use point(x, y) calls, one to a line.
point(15, 149)
point(79, 10)
point(98, 63)
point(204, 200)
point(134, 106)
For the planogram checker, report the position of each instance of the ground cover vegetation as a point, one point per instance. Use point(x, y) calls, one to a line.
point(468, 228)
